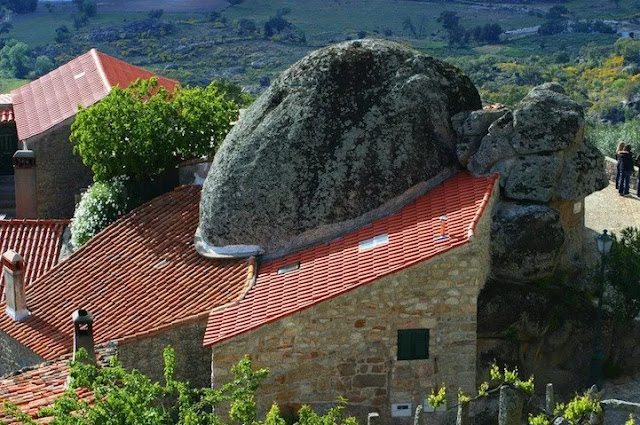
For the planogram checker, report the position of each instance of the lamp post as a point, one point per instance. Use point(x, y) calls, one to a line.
point(604, 241)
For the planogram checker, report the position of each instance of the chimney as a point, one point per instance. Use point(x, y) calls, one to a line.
point(13, 273)
point(83, 333)
point(24, 163)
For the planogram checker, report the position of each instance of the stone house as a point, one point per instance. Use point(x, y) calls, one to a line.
point(44, 111)
point(380, 315)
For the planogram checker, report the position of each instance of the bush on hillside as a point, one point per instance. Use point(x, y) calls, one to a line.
point(607, 136)
point(102, 204)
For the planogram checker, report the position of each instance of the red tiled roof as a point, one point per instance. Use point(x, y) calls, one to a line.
point(36, 387)
point(331, 269)
point(6, 114)
point(85, 80)
point(139, 275)
point(37, 241)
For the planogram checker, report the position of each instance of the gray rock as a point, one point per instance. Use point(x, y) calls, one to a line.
point(546, 121)
point(533, 177)
point(525, 241)
point(492, 149)
point(340, 133)
point(582, 173)
point(477, 122)
point(467, 147)
point(503, 126)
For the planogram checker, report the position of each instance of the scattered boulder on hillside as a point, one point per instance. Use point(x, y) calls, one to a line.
point(343, 131)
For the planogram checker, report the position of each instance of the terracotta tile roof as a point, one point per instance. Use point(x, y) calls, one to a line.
point(37, 241)
point(85, 80)
point(140, 275)
point(331, 269)
point(36, 387)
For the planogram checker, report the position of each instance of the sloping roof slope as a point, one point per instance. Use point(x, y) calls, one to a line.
point(36, 387)
point(37, 241)
point(140, 275)
point(85, 80)
point(328, 270)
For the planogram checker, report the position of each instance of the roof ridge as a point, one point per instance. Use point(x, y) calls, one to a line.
point(35, 220)
point(103, 76)
point(471, 232)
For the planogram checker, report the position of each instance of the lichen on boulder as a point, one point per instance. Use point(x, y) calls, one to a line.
point(341, 133)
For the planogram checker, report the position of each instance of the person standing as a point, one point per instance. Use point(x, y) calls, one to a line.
point(621, 146)
point(626, 164)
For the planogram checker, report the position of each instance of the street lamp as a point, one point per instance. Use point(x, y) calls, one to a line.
point(604, 241)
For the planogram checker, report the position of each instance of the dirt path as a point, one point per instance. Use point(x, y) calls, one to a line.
point(608, 210)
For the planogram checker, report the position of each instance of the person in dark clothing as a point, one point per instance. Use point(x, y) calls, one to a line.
point(621, 146)
point(626, 165)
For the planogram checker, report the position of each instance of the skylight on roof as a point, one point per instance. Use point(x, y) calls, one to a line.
point(374, 242)
point(79, 75)
point(289, 268)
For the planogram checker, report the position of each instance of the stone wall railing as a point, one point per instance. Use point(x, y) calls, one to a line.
point(610, 168)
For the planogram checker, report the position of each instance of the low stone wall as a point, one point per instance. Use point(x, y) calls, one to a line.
point(60, 175)
point(610, 165)
point(193, 361)
point(15, 356)
point(347, 346)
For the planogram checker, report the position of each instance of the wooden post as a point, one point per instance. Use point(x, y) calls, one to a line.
point(418, 418)
point(510, 406)
point(549, 400)
point(373, 419)
point(463, 413)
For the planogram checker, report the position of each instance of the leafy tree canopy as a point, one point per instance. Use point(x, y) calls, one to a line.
point(20, 6)
point(144, 129)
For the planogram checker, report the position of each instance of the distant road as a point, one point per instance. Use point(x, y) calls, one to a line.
point(166, 5)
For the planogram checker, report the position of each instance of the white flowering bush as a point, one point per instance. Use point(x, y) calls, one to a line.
point(100, 206)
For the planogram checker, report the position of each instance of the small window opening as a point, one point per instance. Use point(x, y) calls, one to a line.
point(80, 75)
point(373, 242)
point(413, 344)
point(289, 268)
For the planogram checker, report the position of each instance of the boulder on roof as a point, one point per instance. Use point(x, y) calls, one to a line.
point(342, 132)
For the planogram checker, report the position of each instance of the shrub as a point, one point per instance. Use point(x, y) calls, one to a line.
point(100, 206)
point(607, 136)
point(62, 34)
point(130, 397)
point(145, 129)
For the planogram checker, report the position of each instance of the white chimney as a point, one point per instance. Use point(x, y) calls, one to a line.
point(13, 273)
point(83, 333)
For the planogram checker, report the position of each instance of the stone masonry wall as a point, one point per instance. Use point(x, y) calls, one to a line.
point(60, 175)
point(15, 356)
point(193, 361)
point(347, 346)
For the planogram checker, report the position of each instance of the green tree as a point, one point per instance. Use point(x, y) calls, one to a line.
point(623, 275)
point(144, 129)
point(42, 65)
point(14, 58)
point(62, 34)
point(450, 21)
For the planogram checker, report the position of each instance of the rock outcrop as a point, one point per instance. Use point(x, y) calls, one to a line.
point(342, 132)
point(546, 168)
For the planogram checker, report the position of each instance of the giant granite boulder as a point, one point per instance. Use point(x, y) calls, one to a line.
point(546, 169)
point(342, 133)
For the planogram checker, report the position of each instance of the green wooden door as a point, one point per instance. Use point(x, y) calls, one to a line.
point(8, 146)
